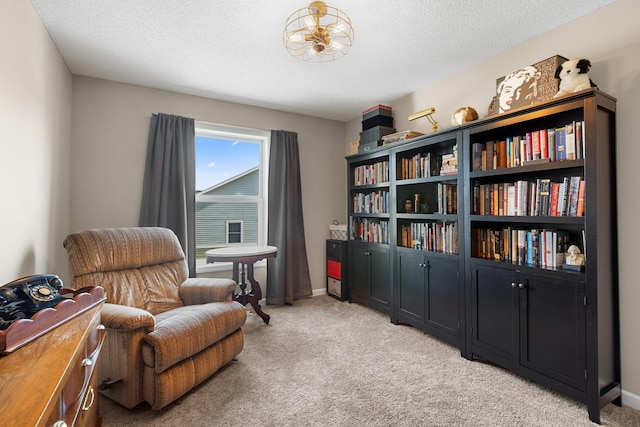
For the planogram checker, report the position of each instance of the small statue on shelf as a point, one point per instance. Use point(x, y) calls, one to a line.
point(574, 259)
point(574, 256)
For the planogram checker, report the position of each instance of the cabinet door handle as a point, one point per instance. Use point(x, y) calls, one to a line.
point(88, 400)
point(521, 286)
point(513, 284)
point(87, 362)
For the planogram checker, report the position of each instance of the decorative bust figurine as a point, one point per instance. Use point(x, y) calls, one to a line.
point(574, 256)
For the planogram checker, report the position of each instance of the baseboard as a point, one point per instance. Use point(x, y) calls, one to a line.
point(630, 399)
point(321, 291)
point(314, 293)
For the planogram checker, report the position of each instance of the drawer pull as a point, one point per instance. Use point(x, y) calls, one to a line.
point(87, 362)
point(60, 423)
point(101, 327)
point(88, 399)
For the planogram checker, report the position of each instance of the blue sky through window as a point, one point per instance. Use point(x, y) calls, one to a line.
point(219, 159)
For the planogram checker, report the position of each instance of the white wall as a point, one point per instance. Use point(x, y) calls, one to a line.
point(35, 123)
point(610, 38)
point(110, 125)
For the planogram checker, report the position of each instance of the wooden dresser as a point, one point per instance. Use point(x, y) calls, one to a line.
point(53, 380)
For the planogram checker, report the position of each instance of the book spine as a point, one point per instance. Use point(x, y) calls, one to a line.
point(544, 144)
point(560, 148)
point(580, 206)
point(535, 144)
point(551, 143)
point(570, 142)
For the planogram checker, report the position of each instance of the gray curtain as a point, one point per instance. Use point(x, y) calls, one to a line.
point(168, 192)
point(288, 273)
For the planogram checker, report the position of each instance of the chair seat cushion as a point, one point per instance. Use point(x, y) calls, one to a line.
point(185, 331)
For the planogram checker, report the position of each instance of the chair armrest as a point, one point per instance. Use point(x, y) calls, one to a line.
point(124, 318)
point(204, 290)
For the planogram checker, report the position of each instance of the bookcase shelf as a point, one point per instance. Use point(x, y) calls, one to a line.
point(513, 306)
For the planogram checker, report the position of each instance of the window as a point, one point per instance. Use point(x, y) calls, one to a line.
point(234, 231)
point(231, 188)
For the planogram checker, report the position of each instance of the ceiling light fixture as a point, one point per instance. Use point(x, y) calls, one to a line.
point(318, 33)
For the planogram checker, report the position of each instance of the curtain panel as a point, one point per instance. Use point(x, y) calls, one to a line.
point(168, 193)
point(288, 273)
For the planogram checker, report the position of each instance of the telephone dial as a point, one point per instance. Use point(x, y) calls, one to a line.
point(23, 298)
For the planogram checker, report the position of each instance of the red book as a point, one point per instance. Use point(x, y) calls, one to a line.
point(580, 209)
point(555, 193)
point(535, 144)
point(544, 144)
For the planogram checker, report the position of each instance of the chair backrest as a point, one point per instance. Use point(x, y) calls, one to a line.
point(139, 266)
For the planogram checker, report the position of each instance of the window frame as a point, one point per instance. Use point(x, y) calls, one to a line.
point(228, 232)
point(234, 133)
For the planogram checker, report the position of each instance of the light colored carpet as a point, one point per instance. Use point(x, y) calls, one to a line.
point(322, 362)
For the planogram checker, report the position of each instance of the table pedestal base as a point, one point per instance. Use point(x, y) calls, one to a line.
point(253, 297)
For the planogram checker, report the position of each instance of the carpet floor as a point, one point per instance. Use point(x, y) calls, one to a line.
point(322, 362)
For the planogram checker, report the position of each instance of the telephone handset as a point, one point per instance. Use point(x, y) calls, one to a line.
point(23, 298)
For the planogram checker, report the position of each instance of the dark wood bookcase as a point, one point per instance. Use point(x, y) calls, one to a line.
point(369, 202)
point(494, 284)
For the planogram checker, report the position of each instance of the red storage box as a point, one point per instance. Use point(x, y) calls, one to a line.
point(333, 269)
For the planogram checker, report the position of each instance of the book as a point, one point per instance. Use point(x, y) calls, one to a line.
point(569, 142)
point(529, 146)
point(555, 193)
point(551, 143)
point(511, 200)
point(560, 148)
point(517, 155)
point(580, 206)
point(574, 186)
point(544, 144)
point(577, 131)
point(476, 156)
point(535, 145)
point(561, 244)
point(501, 154)
point(545, 186)
point(490, 149)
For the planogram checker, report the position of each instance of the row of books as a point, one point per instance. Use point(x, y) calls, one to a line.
point(531, 198)
point(536, 248)
point(368, 230)
point(430, 236)
point(421, 165)
point(371, 174)
point(447, 198)
point(373, 202)
point(544, 145)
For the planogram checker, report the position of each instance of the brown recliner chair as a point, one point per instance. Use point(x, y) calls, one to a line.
point(166, 333)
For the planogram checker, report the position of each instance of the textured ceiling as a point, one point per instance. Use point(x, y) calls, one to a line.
point(232, 50)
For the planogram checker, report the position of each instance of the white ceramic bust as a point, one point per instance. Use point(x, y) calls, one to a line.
point(574, 256)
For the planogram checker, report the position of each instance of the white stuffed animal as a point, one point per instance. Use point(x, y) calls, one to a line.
point(573, 76)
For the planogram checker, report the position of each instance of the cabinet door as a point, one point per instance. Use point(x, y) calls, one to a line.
point(442, 298)
point(411, 283)
point(494, 308)
point(358, 272)
point(552, 328)
point(379, 274)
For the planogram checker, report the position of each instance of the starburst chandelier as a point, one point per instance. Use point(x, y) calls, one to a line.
point(318, 33)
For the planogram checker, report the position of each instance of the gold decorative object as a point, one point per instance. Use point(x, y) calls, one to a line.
point(318, 33)
point(426, 113)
